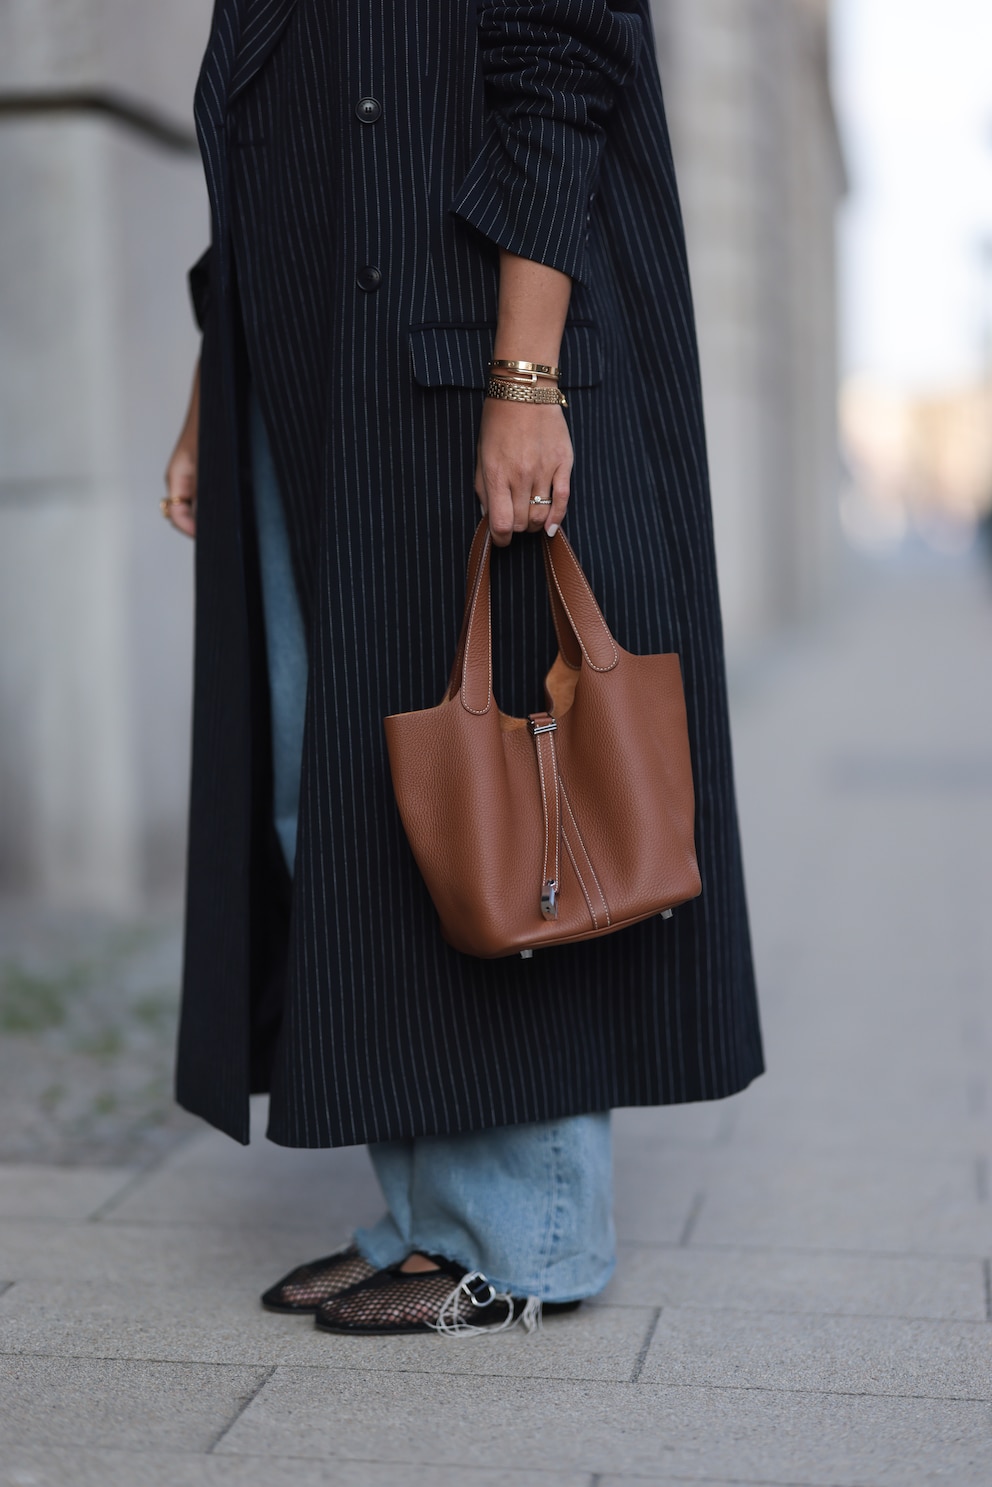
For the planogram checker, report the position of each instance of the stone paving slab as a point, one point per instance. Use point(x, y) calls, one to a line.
point(867, 1201)
point(241, 1260)
point(212, 1180)
point(739, 1434)
point(655, 1200)
point(601, 1480)
point(827, 1229)
point(65, 1467)
point(831, 1013)
point(782, 1280)
point(225, 1325)
point(36, 1192)
point(109, 1403)
point(827, 1086)
point(848, 1355)
point(635, 1480)
point(710, 1123)
point(823, 1196)
point(954, 1116)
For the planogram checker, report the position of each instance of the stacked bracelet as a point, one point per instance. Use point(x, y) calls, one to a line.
point(536, 368)
point(516, 382)
point(515, 392)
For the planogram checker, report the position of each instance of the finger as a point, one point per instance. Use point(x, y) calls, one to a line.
point(502, 520)
point(180, 478)
point(480, 482)
point(182, 515)
point(538, 514)
point(186, 519)
point(498, 499)
point(522, 491)
point(560, 492)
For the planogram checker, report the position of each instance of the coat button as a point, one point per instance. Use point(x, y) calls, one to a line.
point(368, 110)
point(369, 277)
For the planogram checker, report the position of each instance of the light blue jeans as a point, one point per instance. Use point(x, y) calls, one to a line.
point(285, 641)
point(531, 1206)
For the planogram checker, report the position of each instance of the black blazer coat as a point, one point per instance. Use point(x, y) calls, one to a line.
point(365, 159)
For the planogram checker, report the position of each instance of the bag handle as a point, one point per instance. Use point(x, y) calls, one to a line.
point(472, 671)
point(575, 610)
point(583, 634)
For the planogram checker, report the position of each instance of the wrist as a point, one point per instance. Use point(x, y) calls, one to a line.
point(520, 380)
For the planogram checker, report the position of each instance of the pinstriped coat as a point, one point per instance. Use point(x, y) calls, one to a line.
point(365, 159)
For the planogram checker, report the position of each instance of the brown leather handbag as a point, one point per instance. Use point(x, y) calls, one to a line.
point(572, 823)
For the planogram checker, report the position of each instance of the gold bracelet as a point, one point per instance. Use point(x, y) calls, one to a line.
point(518, 377)
point(527, 366)
point(514, 392)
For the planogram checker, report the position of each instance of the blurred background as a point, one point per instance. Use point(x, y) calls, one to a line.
point(836, 169)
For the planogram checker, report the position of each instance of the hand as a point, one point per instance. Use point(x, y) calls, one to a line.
point(525, 450)
point(180, 474)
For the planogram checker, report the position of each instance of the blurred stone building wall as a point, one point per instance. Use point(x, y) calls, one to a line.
point(761, 177)
point(97, 226)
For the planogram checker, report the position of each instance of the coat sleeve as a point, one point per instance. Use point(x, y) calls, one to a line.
point(198, 279)
point(552, 69)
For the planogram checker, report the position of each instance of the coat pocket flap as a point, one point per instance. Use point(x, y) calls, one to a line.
point(457, 355)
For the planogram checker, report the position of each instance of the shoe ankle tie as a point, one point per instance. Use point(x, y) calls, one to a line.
point(481, 1292)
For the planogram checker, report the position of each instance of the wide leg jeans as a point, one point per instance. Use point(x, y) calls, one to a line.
point(530, 1206)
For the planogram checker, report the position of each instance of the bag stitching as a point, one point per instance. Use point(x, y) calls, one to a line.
point(544, 808)
point(579, 878)
point(554, 768)
point(585, 849)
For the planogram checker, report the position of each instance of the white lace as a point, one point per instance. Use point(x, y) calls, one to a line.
point(449, 1324)
point(532, 1316)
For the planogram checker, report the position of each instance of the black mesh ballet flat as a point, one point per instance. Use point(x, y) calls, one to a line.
point(306, 1287)
point(449, 1300)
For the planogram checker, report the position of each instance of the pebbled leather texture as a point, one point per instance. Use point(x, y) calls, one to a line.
point(477, 799)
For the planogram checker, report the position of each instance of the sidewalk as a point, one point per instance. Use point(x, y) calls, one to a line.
point(804, 1294)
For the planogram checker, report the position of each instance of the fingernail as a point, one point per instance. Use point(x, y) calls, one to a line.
point(552, 529)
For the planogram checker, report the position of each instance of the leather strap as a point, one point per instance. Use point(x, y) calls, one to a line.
point(582, 632)
point(582, 615)
point(543, 727)
point(571, 651)
point(472, 670)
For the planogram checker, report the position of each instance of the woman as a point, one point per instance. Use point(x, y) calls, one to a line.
point(399, 196)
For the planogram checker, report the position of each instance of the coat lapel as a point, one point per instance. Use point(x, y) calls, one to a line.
point(262, 23)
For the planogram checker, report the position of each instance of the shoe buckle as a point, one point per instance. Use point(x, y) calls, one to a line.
point(479, 1290)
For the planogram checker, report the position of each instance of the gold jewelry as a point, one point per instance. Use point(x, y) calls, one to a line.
point(528, 366)
point(515, 392)
point(169, 501)
point(542, 501)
